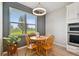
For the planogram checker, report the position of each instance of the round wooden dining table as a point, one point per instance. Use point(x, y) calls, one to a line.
point(39, 41)
point(40, 38)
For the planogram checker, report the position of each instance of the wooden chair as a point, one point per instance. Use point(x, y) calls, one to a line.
point(12, 49)
point(48, 46)
point(30, 47)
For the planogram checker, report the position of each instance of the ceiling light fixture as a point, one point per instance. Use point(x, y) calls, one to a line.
point(39, 10)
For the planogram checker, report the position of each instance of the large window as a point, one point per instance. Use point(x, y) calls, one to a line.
point(31, 23)
point(21, 22)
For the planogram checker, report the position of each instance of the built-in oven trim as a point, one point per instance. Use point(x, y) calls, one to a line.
point(70, 43)
point(73, 32)
point(73, 44)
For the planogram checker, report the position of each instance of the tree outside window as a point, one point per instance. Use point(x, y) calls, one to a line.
point(21, 22)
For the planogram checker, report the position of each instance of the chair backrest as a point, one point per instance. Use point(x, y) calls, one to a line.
point(27, 40)
point(50, 40)
point(32, 34)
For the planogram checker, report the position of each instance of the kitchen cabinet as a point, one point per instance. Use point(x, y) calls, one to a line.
point(72, 11)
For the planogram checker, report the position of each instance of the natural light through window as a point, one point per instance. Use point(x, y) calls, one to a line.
point(21, 22)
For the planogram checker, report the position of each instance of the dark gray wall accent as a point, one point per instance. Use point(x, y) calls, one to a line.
point(6, 5)
point(41, 25)
point(5, 20)
point(18, 6)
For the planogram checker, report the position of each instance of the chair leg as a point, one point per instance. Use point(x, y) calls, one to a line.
point(30, 51)
point(8, 53)
point(46, 52)
point(37, 52)
point(17, 53)
point(53, 50)
point(26, 52)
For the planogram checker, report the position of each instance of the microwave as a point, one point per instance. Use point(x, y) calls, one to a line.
point(73, 27)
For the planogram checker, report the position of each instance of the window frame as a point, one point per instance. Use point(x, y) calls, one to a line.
point(25, 21)
point(33, 24)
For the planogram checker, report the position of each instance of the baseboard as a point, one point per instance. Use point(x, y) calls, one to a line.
point(60, 45)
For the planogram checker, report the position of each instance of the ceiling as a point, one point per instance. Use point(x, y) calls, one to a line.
point(49, 6)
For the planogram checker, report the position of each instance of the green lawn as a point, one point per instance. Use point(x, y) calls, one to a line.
point(19, 32)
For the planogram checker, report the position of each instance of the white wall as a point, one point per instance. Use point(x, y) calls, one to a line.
point(56, 25)
point(0, 27)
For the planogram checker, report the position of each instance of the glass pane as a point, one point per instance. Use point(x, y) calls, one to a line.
point(31, 29)
point(16, 14)
point(31, 19)
point(16, 29)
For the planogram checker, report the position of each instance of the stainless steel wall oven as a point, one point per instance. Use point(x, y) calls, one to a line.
point(73, 34)
point(73, 27)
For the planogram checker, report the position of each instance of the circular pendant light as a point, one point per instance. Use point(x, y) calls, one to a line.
point(39, 11)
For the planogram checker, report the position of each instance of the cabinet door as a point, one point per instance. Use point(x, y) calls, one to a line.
point(78, 10)
point(72, 11)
